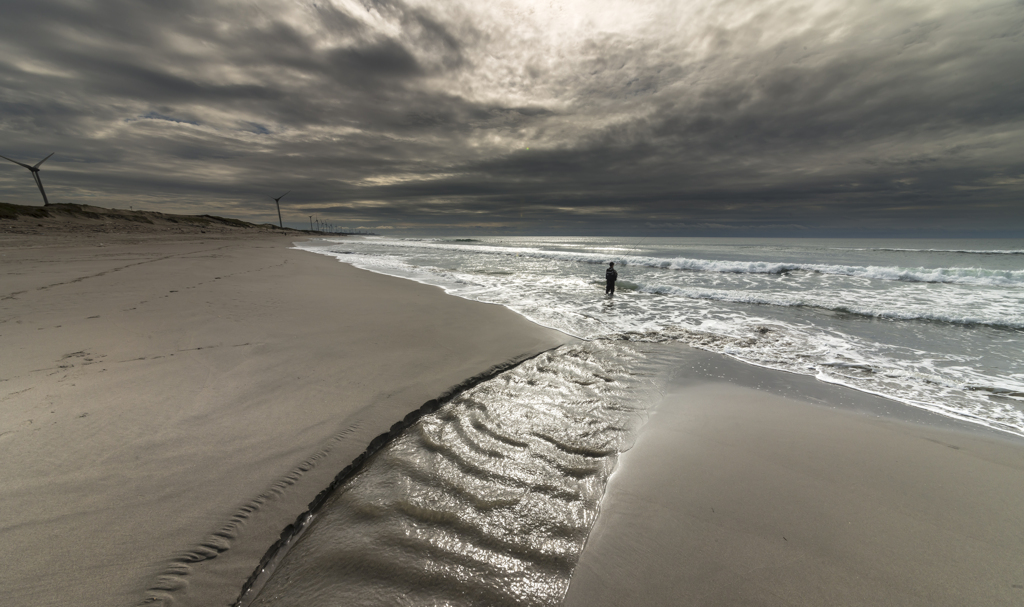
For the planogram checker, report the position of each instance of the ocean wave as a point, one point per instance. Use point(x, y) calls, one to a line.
point(966, 276)
point(966, 251)
point(791, 301)
point(999, 317)
point(971, 276)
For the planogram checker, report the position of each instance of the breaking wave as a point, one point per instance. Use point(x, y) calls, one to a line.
point(901, 312)
point(967, 276)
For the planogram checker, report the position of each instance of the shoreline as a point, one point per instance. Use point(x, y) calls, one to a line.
point(872, 360)
point(747, 486)
point(262, 404)
point(151, 429)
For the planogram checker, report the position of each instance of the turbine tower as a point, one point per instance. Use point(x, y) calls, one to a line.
point(277, 201)
point(35, 175)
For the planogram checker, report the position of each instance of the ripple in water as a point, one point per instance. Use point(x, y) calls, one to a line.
point(487, 501)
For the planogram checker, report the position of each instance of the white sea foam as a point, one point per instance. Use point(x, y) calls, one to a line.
point(968, 276)
point(973, 276)
point(924, 380)
point(898, 310)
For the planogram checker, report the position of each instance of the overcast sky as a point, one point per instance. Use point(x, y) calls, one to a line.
point(687, 117)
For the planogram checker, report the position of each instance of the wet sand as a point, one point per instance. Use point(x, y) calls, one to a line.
point(754, 487)
point(171, 402)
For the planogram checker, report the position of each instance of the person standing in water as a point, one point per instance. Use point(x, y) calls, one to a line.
point(610, 277)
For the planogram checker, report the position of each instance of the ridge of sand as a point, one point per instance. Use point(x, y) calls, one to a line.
point(170, 404)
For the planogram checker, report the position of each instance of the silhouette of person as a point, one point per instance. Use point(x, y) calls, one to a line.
point(610, 277)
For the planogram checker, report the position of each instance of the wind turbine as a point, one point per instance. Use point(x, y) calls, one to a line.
point(35, 174)
point(277, 201)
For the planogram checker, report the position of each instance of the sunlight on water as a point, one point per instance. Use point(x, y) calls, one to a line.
point(488, 501)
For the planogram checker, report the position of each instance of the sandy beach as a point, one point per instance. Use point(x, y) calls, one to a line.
point(172, 402)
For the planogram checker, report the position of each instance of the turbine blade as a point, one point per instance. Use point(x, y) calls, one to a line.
point(16, 162)
point(283, 195)
point(43, 160)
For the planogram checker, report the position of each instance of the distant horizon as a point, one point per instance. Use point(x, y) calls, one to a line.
point(802, 236)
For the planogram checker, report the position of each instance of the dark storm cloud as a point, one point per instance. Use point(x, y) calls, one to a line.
point(788, 116)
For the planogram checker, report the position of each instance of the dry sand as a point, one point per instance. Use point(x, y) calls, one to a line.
point(754, 487)
point(170, 399)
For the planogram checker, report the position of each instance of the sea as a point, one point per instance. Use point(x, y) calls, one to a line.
point(490, 499)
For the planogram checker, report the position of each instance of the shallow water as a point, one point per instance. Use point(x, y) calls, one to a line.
point(487, 501)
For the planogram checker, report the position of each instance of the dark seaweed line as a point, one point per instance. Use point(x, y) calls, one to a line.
point(290, 533)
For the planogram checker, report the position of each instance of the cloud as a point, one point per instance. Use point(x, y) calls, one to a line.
point(582, 117)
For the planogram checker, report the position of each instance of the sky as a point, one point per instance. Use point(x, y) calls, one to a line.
point(593, 117)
